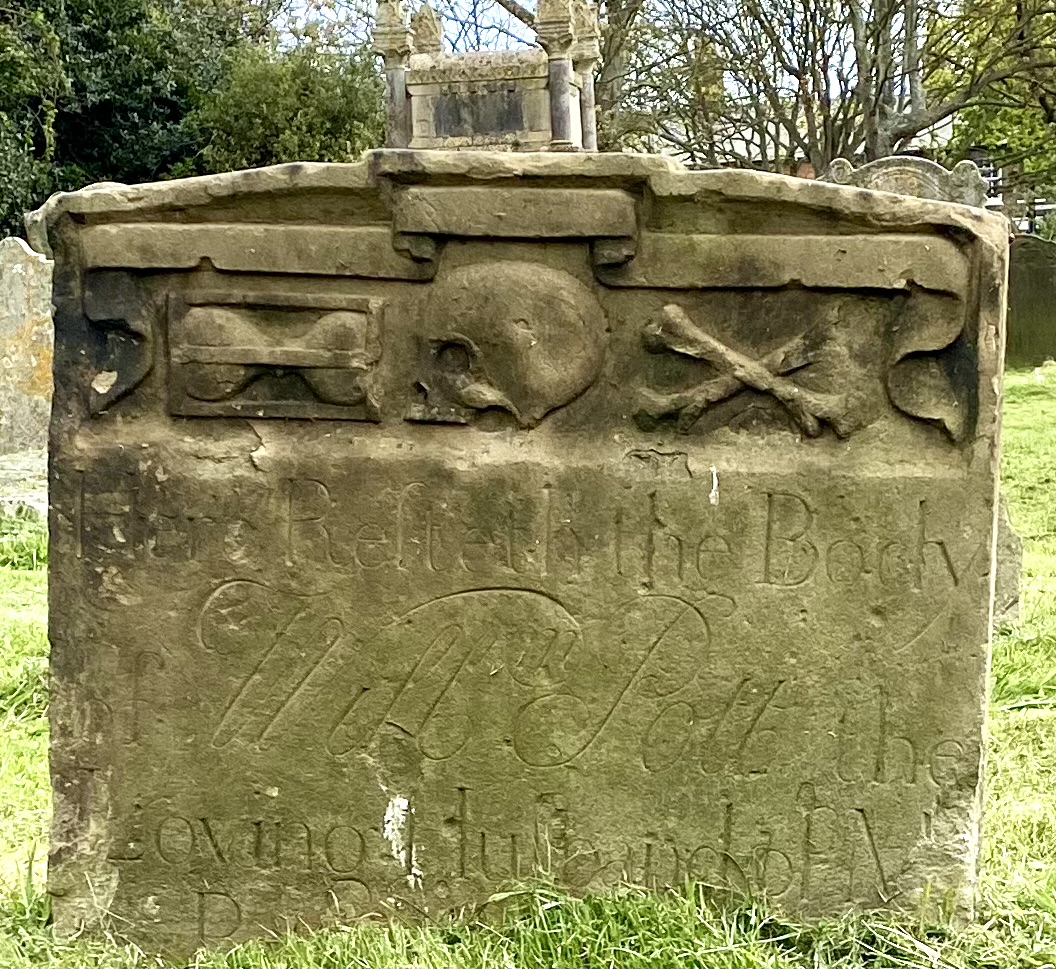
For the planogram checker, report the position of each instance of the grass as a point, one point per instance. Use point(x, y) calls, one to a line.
point(1016, 924)
point(23, 539)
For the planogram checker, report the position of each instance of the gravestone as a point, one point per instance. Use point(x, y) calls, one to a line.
point(25, 347)
point(1031, 302)
point(912, 175)
point(428, 524)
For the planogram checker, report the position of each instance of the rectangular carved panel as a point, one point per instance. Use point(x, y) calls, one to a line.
point(374, 593)
point(516, 213)
point(364, 251)
point(677, 261)
point(275, 356)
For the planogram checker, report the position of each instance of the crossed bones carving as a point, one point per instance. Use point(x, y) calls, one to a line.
point(809, 409)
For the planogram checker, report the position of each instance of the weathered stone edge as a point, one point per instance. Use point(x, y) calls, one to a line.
point(666, 178)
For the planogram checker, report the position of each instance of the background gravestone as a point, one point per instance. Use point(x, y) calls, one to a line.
point(422, 525)
point(916, 176)
point(1009, 568)
point(25, 347)
point(1031, 302)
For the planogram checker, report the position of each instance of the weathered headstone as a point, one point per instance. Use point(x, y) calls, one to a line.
point(428, 523)
point(1031, 302)
point(25, 347)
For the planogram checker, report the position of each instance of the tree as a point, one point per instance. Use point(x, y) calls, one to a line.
point(32, 80)
point(1014, 127)
point(302, 104)
point(135, 68)
point(816, 79)
point(772, 83)
point(94, 90)
point(136, 90)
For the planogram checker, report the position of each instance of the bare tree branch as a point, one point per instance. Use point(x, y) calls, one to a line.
point(514, 9)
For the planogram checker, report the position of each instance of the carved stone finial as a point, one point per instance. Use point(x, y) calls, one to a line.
point(586, 51)
point(585, 21)
point(392, 35)
point(910, 175)
point(428, 30)
point(555, 27)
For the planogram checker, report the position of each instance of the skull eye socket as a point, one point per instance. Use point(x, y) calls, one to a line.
point(452, 358)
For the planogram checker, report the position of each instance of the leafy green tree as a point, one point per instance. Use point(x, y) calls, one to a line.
point(136, 90)
point(304, 104)
point(135, 69)
point(94, 90)
point(1018, 130)
point(32, 80)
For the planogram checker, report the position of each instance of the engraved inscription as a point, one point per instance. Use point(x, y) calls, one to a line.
point(299, 658)
point(650, 537)
point(792, 555)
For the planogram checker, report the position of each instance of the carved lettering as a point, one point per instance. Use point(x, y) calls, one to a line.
point(176, 840)
point(563, 546)
point(930, 549)
point(294, 846)
point(219, 916)
point(344, 848)
point(738, 725)
point(823, 851)
point(349, 897)
point(308, 505)
point(944, 762)
point(128, 842)
point(369, 548)
point(789, 558)
point(669, 636)
point(882, 886)
point(868, 750)
point(845, 562)
point(668, 735)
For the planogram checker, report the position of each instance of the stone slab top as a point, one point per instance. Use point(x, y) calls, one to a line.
point(477, 66)
point(665, 177)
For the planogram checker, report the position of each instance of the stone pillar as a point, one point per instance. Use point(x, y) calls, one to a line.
point(556, 34)
point(585, 55)
point(392, 41)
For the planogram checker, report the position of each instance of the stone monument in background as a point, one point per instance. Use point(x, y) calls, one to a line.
point(916, 176)
point(424, 525)
point(1031, 302)
point(518, 100)
point(25, 347)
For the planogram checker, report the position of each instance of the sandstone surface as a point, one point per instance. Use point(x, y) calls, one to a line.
point(424, 525)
